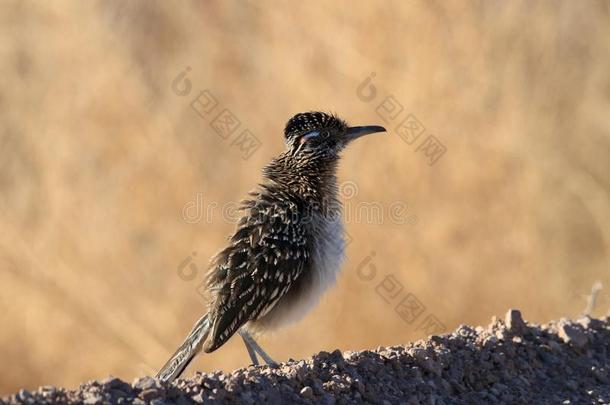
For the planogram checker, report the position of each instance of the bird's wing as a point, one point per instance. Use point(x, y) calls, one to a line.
point(266, 256)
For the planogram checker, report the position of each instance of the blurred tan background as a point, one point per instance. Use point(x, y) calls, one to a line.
point(100, 160)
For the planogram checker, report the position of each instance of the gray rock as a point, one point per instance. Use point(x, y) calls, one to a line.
point(307, 392)
point(92, 398)
point(24, 395)
point(150, 394)
point(514, 322)
point(145, 383)
point(570, 334)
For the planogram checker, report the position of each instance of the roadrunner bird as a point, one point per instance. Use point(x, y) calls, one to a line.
point(287, 249)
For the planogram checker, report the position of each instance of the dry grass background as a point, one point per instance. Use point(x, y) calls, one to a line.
point(98, 157)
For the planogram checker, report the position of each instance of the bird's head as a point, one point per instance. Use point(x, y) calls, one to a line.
point(322, 134)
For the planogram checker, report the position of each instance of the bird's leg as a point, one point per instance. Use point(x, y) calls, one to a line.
point(251, 351)
point(249, 340)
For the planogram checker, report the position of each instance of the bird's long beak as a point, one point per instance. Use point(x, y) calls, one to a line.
point(357, 132)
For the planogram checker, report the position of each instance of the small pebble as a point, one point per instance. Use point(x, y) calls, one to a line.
point(307, 392)
point(570, 334)
point(146, 383)
point(514, 322)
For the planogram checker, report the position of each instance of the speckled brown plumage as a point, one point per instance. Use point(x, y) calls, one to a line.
point(287, 247)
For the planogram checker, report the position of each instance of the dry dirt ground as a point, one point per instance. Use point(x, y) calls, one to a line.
point(510, 361)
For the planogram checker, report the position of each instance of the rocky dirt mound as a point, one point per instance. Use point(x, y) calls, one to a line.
point(507, 362)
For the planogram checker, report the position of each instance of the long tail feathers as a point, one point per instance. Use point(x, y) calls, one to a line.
point(186, 352)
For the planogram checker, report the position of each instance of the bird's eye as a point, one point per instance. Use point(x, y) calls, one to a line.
point(309, 135)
